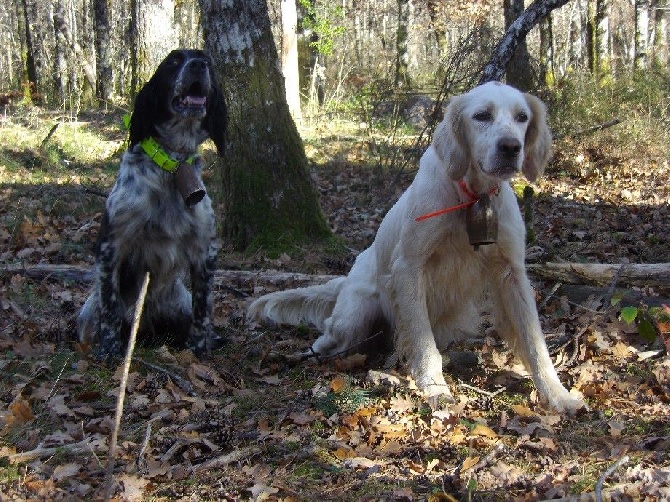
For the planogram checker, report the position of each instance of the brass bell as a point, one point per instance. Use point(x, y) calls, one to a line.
point(481, 221)
point(189, 184)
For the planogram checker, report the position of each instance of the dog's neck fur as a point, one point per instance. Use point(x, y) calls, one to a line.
point(181, 137)
point(477, 182)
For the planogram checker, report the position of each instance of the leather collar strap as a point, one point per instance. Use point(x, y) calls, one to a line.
point(157, 153)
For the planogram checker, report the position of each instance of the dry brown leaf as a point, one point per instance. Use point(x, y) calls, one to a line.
point(469, 462)
point(484, 430)
point(343, 453)
point(621, 350)
point(338, 384)
point(65, 471)
point(301, 418)
point(21, 413)
point(349, 363)
point(523, 411)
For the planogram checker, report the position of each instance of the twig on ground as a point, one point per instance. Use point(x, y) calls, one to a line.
point(482, 391)
point(139, 305)
point(226, 459)
point(606, 474)
point(550, 295)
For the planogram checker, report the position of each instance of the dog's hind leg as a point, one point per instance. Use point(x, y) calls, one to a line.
point(357, 313)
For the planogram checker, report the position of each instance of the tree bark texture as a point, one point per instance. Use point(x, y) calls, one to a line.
point(268, 198)
point(103, 51)
point(517, 31)
point(519, 73)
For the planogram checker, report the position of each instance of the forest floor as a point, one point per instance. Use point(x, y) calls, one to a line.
point(254, 422)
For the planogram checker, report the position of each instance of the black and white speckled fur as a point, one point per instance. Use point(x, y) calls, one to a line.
point(147, 226)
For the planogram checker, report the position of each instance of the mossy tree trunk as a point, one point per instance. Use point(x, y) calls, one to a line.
point(268, 198)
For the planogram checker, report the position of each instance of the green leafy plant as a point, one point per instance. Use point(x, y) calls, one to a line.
point(639, 315)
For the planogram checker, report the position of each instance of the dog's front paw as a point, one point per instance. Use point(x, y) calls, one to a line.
point(566, 403)
point(435, 390)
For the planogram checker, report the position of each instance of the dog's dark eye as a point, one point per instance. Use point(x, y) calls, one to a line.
point(522, 117)
point(484, 116)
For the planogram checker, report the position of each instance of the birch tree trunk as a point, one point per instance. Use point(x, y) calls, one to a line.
point(402, 55)
point(602, 40)
point(268, 199)
point(641, 34)
point(289, 57)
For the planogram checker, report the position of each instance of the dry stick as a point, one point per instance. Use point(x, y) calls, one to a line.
point(606, 474)
point(139, 305)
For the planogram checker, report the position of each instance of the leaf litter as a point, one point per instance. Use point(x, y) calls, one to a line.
point(252, 423)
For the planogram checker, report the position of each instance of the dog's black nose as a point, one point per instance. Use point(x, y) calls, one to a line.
point(509, 146)
point(197, 65)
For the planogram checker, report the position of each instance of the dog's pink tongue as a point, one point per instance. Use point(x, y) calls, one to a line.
point(195, 100)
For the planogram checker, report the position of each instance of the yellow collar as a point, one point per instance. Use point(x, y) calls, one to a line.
point(157, 153)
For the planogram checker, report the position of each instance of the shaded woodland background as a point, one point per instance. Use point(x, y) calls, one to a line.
point(71, 54)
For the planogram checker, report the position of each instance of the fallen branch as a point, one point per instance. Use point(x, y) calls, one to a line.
point(630, 274)
point(601, 274)
point(76, 273)
point(80, 448)
point(226, 459)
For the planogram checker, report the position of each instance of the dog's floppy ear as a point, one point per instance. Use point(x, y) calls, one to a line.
point(450, 139)
point(144, 113)
point(217, 117)
point(538, 140)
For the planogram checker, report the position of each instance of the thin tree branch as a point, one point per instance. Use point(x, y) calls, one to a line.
point(517, 31)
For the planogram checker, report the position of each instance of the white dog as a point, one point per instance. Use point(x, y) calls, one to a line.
point(422, 278)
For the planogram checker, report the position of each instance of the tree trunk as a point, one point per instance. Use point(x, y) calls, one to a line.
point(60, 60)
point(402, 79)
point(30, 59)
point(602, 40)
point(268, 199)
point(660, 41)
point(156, 35)
point(289, 57)
point(103, 51)
point(519, 73)
point(517, 31)
point(641, 34)
point(548, 75)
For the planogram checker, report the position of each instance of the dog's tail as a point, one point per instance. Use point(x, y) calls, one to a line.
point(310, 305)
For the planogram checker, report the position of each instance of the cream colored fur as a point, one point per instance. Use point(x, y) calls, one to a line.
point(424, 279)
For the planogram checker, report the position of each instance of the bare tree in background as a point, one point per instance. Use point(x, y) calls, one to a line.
point(517, 31)
point(103, 51)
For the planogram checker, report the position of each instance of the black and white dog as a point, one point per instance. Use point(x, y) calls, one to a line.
point(151, 224)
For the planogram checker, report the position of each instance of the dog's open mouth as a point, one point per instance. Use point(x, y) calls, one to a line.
point(192, 101)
